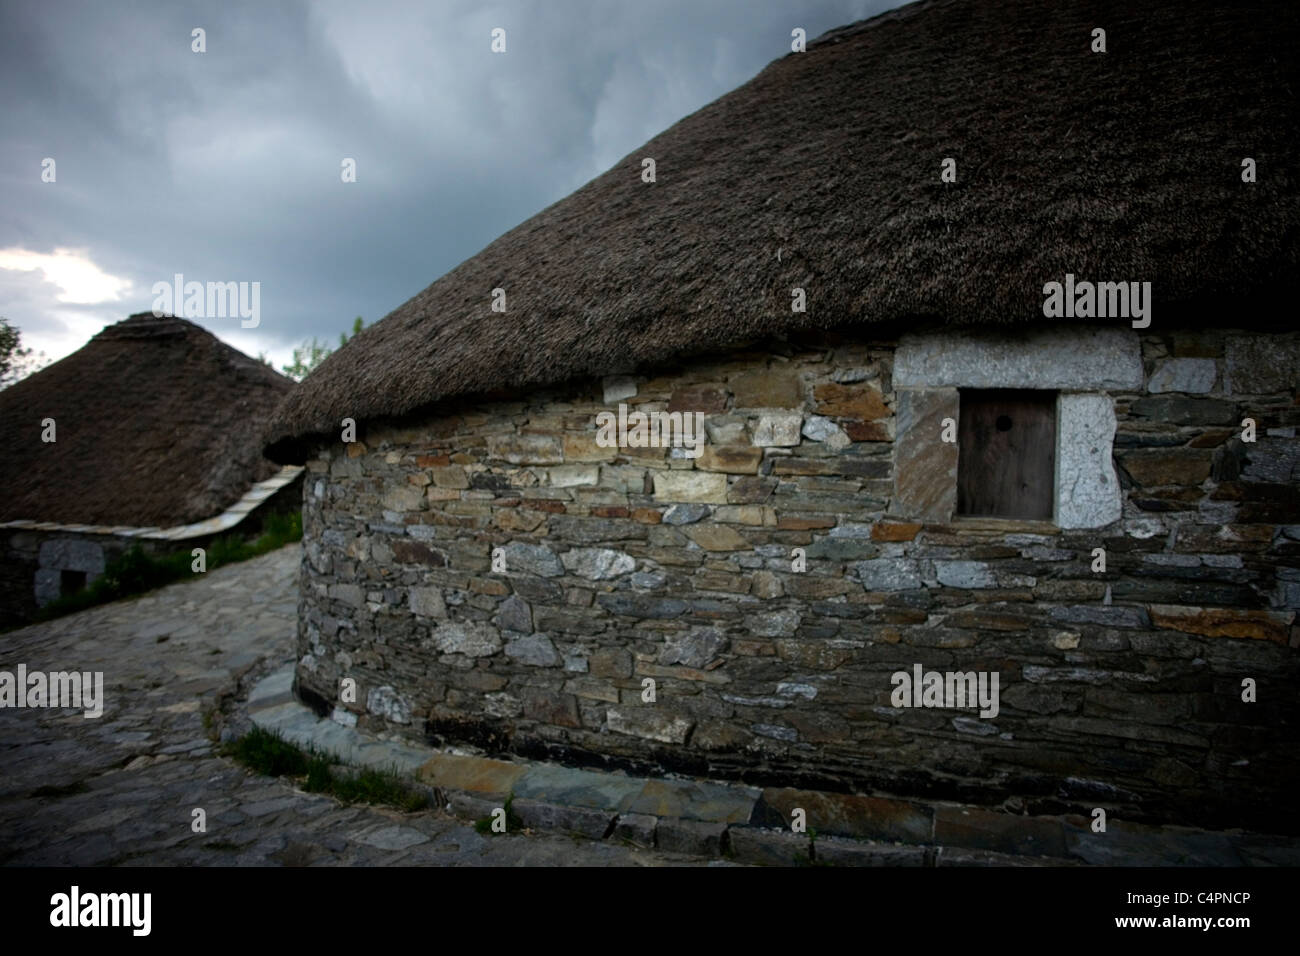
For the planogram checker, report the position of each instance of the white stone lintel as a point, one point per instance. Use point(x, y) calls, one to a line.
point(1049, 357)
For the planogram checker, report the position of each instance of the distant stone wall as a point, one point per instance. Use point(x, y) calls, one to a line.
point(1121, 689)
point(32, 561)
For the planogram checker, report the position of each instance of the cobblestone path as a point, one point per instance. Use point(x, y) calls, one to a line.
point(121, 789)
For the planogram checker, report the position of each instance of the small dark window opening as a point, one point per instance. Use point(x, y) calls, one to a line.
point(1006, 447)
point(71, 581)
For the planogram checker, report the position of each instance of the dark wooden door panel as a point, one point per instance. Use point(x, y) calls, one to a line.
point(1006, 464)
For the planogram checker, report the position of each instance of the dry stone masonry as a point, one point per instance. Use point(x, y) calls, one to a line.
point(489, 576)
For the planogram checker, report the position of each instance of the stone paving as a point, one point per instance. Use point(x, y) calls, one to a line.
point(120, 789)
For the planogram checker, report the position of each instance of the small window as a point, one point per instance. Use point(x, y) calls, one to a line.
point(1006, 464)
point(71, 581)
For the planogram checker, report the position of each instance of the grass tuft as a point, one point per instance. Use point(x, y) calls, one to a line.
point(270, 754)
point(513, 822)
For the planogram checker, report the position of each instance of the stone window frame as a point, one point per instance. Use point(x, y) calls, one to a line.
point(1082, 364)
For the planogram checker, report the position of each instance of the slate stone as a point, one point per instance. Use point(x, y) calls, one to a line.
point(1225, 622)
point(781, 623)
point(649, 724)
point(1002, 832)
point(1189, 375)
point(691, 486)
point(964, 574)
point(1104, 616)
point(841, 549)
point(389, 704)
point(694, 837)
point(636, 605)
point(521, 558)
point(636, 828)
point(592, 824)
point(877, 818)
point(925, 467)
point(764, 847)
point(427, 602)
point(709, 399)
point(686, 514)
point(1172, 466)
point(391, 837)
point(535, 650)
point(859, 402)
point(693, 648)
point(406, 551)
point(1176, 410)
point(558, 710)
point(843, 851)
point(730, 459)
point(526, 449)
point(766, 388)
point(580, 530)
point(889, 574)
point(778, 431)
point(514, 614)
point(598, 564)
point(472, 638)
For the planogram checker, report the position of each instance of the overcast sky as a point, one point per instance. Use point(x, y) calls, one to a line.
point(226, 165)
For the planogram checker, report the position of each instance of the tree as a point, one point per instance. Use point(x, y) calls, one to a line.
point(312, 353)
point(16, 362)
point(356, 328)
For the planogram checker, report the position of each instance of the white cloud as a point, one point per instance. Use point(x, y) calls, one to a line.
point(79, 280)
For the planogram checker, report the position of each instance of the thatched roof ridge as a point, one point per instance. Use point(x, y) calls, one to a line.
point(158, 423)
point(823, 172)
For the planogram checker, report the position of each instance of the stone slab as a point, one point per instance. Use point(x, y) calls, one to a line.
point(636, 828)
point(274, 685)
point(1051, 357)
point(1186, 375)
point(961, 856)
point(925, 468)
point(766, 847)
point(695, 837)
point(537, 815)
point(1087, 488)
point(553, 783)
point(1124, 845)
point(696, 800)
point(876, 818)
point(979, 829)
point(843, 851)
point(474, 774)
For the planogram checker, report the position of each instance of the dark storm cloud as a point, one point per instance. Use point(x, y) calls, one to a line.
point(225, 165)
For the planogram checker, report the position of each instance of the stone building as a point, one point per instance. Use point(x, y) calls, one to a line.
point(909, 465)
point(148, 434)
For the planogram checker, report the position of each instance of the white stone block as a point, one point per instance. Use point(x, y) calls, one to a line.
point(778, 430)
point(1051, 356)
point(1087, 488)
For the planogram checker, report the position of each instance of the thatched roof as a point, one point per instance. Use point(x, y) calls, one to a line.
point(158, 423)
point(823, 172)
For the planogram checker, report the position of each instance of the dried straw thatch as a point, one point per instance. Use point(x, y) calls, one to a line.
point(823, 172)
point(157, 424)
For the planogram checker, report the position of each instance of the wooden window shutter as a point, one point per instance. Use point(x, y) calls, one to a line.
point(1006, 465)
